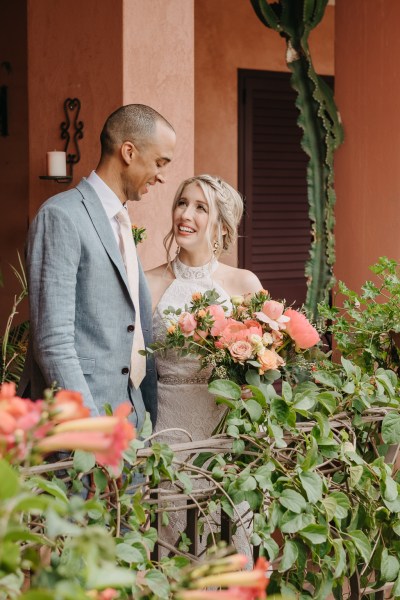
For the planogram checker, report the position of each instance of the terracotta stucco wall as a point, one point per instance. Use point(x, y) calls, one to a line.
point(229, 37)
point(158, 69)
point(75, 50)
point(368, 163)
point(13, 149)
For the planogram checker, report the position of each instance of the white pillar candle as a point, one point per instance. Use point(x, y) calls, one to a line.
point(56, 164)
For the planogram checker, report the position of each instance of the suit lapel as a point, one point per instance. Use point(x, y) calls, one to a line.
point(102, 226)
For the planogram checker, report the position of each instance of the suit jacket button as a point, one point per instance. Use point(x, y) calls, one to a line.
point(125, 371)
point(131, 328)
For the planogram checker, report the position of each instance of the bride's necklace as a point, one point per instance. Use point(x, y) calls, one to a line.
point(182, 271)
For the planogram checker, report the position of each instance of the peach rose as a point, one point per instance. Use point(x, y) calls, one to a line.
point(300, 329)
point(269, 360)
point(187, 323)
point(240, 351)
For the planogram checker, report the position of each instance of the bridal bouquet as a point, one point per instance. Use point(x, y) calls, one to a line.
point(258, 337)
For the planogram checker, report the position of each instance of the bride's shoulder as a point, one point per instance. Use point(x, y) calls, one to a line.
point(239, 281)
point(159, 271)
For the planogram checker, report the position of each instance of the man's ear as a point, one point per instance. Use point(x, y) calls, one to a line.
point(128, 152)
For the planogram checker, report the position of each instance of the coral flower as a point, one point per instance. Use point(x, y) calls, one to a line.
point(300, 329)
point(247, 585)
point(272, 314)
point(69, 405)
point(106, 437)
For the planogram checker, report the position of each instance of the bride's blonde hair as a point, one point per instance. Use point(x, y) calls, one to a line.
point(225, 210)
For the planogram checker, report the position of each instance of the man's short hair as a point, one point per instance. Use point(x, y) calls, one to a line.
point(134, 122)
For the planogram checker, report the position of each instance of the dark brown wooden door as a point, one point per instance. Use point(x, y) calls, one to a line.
point(275, 236)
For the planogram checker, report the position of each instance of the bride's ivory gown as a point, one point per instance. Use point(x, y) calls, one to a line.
point(183, 399)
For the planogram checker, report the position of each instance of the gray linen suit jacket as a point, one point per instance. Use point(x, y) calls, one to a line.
point(81, 310)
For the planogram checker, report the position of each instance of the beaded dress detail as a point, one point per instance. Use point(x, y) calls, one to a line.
point(183, 398)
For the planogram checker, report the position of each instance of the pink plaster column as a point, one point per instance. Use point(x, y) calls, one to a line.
point(158, 69)
point(368, 163)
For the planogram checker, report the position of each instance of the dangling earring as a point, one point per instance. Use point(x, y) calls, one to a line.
point(178, 249)
point(216, 247)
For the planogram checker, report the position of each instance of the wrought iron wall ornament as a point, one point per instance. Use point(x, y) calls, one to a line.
point(72, 106)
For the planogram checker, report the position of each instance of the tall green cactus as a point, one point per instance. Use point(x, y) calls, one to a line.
point(322, 133)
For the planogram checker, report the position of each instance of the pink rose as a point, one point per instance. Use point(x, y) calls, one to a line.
point(253, 328)
point(187, 323)
point(240, 351)
point(300, 329)
point(233, 331)
point(216, 311)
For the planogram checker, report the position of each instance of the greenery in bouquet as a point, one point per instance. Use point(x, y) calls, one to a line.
point(259, 335)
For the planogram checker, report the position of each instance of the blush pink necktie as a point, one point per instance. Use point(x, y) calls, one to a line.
point(128, 249)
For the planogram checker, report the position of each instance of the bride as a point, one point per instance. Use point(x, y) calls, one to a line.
point(205, 217)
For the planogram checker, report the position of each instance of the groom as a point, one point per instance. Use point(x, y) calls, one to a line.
point(84, 300)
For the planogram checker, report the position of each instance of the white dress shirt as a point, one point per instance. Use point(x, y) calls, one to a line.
point(110, 201)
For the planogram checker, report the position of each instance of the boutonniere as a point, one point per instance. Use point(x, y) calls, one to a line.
point(139, 234)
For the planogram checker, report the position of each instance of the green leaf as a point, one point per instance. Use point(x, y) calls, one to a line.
point(290, 554)
point(389, 487)
point(271, 547)
point(330, 506)
point(362, 544)
point(340, 558)
point(279, 409)
point(311, 456)
point(328, 379)
point(51, 487)
point(110, 576)
point(246, 483)
point(291, 522)
point(286, 391)
point(84, 461)
point(355, 474)
point(38, 594)
point(100, 480)
point(312, 485)
point(328, 400)
point(158, 583)
point(293, 501)
point(129, 554)
point(254, 409)
point(316, 534)
point(391, 428)
point(225, 388)
point(342, 504)
point(389, 566)
point(186, 481)
point(9, 486)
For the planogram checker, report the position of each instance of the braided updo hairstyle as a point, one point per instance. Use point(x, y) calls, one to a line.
point(225, 210)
